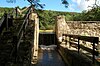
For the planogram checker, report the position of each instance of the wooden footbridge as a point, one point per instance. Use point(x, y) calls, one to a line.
point(21, 44)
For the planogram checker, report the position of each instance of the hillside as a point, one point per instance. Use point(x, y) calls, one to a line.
point(46, 17)
point(3, 10)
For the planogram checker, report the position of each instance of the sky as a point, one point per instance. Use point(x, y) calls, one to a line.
point(56, 5)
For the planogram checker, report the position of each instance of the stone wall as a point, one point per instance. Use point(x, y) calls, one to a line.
point(60, 26)
point(84, 28)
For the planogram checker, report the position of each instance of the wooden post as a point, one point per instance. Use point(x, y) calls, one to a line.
point(93, 52)
point(6, 21)
point(16, 12)
point(67, 41)
point(78, 45)
point(98, 47)
point(10, 21)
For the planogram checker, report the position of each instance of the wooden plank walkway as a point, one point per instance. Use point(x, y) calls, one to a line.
point(49, 57)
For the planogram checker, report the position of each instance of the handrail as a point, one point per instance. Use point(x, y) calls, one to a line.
point(90, 39)
point(1, 24)
point(17, 37)
point(85, 38)
point(21, 30)
point(4, 21)
point(1, 21)
point(24, 22)
point(22, 25)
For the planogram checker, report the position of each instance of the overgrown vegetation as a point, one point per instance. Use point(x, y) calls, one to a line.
point(91, 15)
point(3, 10)
point(47, 17)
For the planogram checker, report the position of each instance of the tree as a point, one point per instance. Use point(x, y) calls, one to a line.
point(37, 4)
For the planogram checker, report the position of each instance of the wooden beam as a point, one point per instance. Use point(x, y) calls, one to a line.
point(85, 38)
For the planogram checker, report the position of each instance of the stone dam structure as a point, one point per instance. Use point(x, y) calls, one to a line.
point(83, 28)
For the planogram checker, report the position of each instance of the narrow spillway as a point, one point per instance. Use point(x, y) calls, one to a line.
point(48, 56)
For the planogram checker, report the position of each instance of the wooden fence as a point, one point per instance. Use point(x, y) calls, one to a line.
point(18, 36)
point(6, 22)
point(74, 41)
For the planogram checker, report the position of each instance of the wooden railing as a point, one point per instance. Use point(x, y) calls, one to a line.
point(74, 41)
point(17, 38)
point(2, 24)
point(23, 28)
point(6, 22)
point(20, 34)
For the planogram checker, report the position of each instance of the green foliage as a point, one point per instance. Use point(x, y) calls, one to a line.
point(47, 18)
point(3, 10)
point(65, 2)
point(91, 15)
